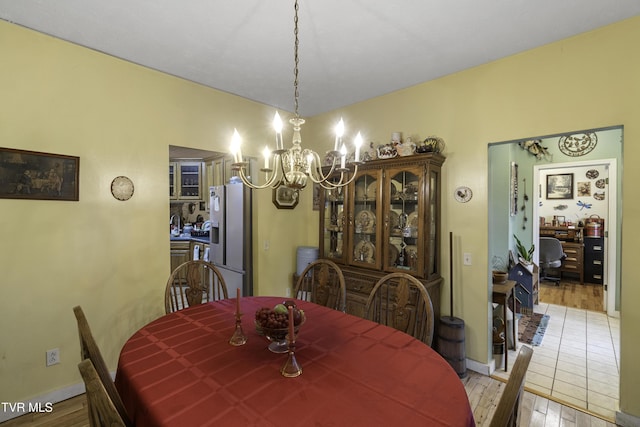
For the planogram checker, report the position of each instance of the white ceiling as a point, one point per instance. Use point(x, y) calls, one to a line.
point(350, 50)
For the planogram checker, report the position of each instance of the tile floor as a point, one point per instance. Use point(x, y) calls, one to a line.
point(578, 360)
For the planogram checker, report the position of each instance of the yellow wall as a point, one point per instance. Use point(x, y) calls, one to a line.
point(584, 82)
point(111, 257)
point(120, 118)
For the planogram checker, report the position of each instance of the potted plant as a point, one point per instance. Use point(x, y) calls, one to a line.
point(525, 256)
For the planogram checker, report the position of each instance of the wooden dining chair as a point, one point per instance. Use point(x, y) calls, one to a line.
point(322, 282)
point(401, 301)
point(90, 350)
point(102, 410)
point(508, 409)
point(193, 283)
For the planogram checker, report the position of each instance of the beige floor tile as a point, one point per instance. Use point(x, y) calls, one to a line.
point(571, 378)
point(546, 352)
point(610, 389)
point(602, 400)
point(548, 371)
point(570, 390)
point(540, 380)
point(539, 389)
point(570, 343)
point(601, 358)
point(572, 351)
point(605, 412)
point(603, 377)
point(573, 360)
point(572, 368)
point(544, 360)
point(569, 399)
point(606, 368)
point(602, 350)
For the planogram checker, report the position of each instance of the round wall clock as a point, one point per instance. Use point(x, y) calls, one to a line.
point(463, 194)
point(122, 188)
point(578, 144)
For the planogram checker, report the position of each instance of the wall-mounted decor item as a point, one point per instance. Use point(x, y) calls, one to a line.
point(534, 147)
point(463, 194)
point(584, 188)
point(513, 188)
point(578, 144)
point(285, 197)
point(560, 186)
point(35, 175)
point(122, 188)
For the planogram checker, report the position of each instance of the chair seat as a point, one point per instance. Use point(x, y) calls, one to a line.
point(554, 264)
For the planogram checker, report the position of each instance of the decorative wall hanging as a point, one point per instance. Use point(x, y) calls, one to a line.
point(560, 186)
point(122, 188)
point(463, 194)
point(534, 147)
point(513, 189)
point(584, 188)
point(578, 144)
point(285, 197)
point(35, 175)
point(525, 199)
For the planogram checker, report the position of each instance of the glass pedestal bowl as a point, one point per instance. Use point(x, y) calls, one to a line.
point(278, 336)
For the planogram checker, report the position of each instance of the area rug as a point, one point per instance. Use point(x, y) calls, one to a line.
point(531, 328)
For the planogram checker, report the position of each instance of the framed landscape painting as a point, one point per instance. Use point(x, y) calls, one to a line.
point(41, 176)
point(560, 186)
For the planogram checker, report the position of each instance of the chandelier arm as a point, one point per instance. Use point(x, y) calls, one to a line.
point(245, 180)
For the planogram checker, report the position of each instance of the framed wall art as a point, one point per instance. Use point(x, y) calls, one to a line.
point(41, 176)
point(560, 186)
point(285, 197)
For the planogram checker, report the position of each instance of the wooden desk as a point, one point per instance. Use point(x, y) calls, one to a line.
point(501, 294)
point(180, 370)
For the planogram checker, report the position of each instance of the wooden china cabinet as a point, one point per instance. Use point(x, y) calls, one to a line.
point(387, 220)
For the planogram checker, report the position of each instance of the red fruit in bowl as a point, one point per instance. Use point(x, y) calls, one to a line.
point(289, 302)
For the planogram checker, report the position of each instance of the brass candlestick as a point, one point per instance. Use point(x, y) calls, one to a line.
point(291, 368)
point(238, 337)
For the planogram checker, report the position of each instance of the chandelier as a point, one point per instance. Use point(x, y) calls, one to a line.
point(294, 167)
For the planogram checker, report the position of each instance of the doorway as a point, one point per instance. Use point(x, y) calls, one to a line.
point(592, 198)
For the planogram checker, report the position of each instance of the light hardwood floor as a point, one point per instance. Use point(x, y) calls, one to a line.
point(572, 294)
point(484, 394)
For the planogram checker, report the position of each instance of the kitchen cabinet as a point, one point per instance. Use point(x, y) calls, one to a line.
point(180, 253)
point(387, 220)
point(185, 180)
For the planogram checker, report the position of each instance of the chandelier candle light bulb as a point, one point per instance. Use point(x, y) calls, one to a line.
point(339, 133)
point(277, 125)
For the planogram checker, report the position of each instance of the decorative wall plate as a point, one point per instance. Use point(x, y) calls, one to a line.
point(592, 174)
point(122, 188)
point(578, 144)
point(463, 194)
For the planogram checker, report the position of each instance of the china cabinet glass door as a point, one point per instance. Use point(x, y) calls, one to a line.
point(333, 224)
point(404, 221)
point(364, 220)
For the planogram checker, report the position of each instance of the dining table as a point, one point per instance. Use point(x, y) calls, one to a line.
point(181, 370)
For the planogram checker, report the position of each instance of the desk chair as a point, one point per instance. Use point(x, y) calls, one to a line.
point(551, 256)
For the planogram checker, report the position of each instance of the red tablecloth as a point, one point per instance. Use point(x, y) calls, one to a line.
point(180, 370)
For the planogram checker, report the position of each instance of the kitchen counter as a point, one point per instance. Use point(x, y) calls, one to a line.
point(185, 238)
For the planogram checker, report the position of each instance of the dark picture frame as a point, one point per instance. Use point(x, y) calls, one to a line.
point(38, 176)
point(560, 186)
point(285, 198)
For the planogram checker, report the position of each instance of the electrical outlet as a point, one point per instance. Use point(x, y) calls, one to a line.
point(267, 244)
point(466, 259)
point(288, 292)
point(53, 356)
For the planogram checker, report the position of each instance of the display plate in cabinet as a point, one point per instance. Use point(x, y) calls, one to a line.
point(364, 251)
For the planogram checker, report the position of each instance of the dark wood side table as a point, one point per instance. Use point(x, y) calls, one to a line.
point(501, 294)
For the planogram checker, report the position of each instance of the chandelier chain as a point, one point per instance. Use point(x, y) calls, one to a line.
point(295, 59)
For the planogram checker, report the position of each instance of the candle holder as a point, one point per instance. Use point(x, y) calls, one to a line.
point(238, 338)
point(291, 368)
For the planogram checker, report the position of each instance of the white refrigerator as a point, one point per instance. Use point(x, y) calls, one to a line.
point(231, 237)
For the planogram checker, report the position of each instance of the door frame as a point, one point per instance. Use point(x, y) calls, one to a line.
point(611, 225)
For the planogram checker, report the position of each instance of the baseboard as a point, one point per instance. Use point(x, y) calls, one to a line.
point(626, 420)
point(481, 368)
